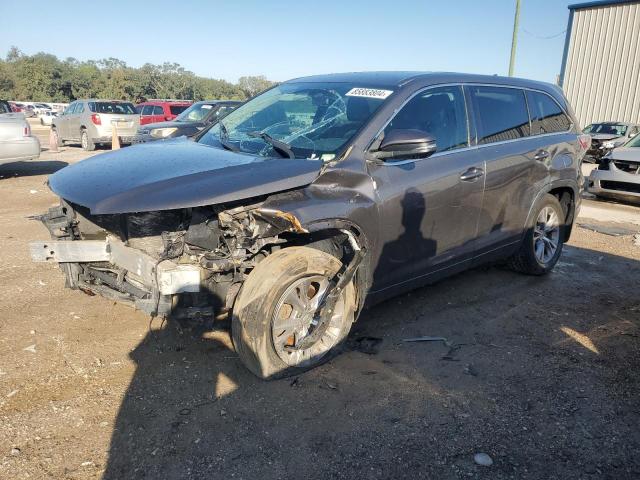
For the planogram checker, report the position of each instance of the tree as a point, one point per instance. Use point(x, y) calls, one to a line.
point(44, 77)
point(251, 86)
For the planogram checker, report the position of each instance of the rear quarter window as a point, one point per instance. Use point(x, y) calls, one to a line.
point(546, 114)
point(177, 109)
point(158, 110)
point(500, 112)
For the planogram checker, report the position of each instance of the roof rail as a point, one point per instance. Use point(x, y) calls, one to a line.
point(167, 100)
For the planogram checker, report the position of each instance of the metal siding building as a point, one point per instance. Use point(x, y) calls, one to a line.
point(600, 72)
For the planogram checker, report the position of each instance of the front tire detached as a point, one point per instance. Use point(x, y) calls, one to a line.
point(543, 240)
point(273, 311)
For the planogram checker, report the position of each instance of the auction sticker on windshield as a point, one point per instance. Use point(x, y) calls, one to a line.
point(369, 93)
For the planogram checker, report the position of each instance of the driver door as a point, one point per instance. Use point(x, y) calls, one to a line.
point(429, 207)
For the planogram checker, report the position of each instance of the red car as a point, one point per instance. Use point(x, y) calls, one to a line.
point(16, 107)
point(153, 111)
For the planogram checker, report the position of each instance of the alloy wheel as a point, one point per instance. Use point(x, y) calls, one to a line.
point(546, 235)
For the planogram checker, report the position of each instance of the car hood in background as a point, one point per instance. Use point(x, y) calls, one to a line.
point(172, 124)
point(631, 154)
point(603, 136)
point(175, 174)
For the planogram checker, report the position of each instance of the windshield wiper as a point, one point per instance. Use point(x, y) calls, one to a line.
point(224, 138)
point(281, 147)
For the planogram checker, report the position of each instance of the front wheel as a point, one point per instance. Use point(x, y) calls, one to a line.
point(543, 241)
point(275, 311)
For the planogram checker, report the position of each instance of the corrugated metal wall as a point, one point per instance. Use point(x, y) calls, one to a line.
point(602, 70)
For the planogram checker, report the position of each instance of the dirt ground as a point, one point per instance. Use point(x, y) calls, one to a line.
point(541, 374)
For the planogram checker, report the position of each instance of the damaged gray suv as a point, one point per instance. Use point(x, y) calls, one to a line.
point(319, 197)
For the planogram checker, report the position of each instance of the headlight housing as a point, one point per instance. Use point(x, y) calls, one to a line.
point(162, 132)
point(608, 144)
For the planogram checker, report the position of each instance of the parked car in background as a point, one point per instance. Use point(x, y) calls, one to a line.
point(320, 196)
point(29, 111)
point(46, 117)
point(618, 174)
point(5, 107)
point(16, 141)
point(40, 108)
point(91, 123)
point(153, 111)
point(16, 107)
point(188, 123)
point(605, 136)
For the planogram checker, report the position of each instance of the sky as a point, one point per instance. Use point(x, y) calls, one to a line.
point(283, 39)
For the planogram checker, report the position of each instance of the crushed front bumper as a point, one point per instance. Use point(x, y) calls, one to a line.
point(614, 183)
point(112, 269)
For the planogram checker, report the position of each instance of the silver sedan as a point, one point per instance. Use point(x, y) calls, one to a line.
point(618, 175)
point(16, 141)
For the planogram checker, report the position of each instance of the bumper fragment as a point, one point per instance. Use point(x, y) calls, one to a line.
point(165, 276)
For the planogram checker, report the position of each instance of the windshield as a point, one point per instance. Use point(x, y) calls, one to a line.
point(634, 142)
point(315, 120)
point(195, 113)
point(607, 129)
point(122, 108)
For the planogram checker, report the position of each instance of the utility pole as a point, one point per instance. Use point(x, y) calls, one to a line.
point(514, 39)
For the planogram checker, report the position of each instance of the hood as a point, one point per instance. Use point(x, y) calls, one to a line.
point(630, 154)
point(603, 136)
point(171, 124)
point(175, 174)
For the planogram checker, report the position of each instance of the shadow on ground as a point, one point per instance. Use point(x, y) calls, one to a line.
point(31, 168)
point(543, 381)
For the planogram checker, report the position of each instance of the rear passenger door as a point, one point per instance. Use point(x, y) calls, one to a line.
point(74, 121)
point(145, 114)
point(158, 114)
point(63, 121)
point(517, 163)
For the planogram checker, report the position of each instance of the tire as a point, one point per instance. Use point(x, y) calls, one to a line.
point(528, 259)
point(255, 327)
point(86, 141)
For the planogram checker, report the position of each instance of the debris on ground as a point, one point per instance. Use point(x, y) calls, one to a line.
point(428, 338)
point(15, 451)
point(469, 370)
point(30, 348)
point(636, 239)
point(368, 345)
point(483, 459)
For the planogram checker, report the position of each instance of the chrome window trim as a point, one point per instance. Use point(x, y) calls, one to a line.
point(469, 147)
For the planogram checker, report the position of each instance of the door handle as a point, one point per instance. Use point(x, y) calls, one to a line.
point(472, 174)
point(541, 155)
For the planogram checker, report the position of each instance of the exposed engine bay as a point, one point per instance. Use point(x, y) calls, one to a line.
point(187, 262)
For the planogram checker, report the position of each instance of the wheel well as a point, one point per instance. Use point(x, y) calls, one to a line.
point(566, 197)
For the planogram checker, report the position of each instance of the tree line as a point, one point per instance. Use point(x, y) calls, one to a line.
point(45, 78)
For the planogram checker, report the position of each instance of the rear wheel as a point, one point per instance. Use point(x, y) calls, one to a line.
point(86, 142)
point(543, 240)
point(275, 311)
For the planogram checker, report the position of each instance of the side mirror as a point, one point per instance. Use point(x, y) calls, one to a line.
point(405, 144)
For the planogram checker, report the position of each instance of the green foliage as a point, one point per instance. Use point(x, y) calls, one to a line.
point(45, 78)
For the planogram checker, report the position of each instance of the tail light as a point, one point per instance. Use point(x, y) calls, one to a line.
point(27, 131)
point(95, 118)
point(585, 141)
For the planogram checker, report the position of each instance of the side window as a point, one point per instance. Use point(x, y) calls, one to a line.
point(79, 108)
point(139, 109)
point(500, 112)
point(634, 131)
point(158, 110)
point(147, 110)
point(546, 114)
point(69, 110)
point(438, 111)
